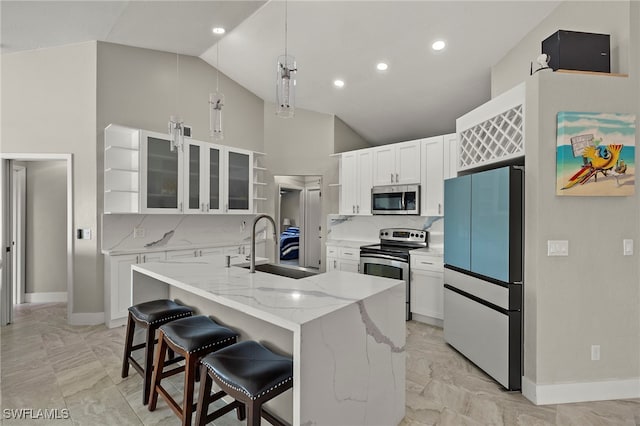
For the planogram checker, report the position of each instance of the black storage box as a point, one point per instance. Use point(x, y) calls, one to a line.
point(573, 50)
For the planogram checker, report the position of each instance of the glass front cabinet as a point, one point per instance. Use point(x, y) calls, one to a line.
point(161, 177)
point(198, 178)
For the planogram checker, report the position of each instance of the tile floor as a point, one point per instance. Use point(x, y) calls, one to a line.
point(47, 364)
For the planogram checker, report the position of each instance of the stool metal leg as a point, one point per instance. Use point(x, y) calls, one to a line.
point(131, 325)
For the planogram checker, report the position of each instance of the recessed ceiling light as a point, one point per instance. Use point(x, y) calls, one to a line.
point(382, 66)
point(338, 83)
point(438, 45)
point(219, 30)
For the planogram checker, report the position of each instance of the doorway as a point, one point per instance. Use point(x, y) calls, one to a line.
point(298, 215)
point(35, 249)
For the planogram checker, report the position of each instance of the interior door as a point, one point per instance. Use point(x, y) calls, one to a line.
point(6, 305)
point(18, 215)
point(313, 252)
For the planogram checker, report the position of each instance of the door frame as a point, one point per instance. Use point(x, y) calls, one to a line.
point(6, 212)
point(18, 222)
point(307, 212)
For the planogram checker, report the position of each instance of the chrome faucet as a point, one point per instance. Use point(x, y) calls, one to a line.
point(252, 255)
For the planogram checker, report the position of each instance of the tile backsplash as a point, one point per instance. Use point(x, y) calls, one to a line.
point(175, 231)
point(365, 228)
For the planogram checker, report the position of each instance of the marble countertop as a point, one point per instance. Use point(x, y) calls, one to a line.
point(428, 251)
point(282, 301)
point(350, 243)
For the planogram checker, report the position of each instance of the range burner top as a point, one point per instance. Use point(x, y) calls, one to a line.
point(397, 242)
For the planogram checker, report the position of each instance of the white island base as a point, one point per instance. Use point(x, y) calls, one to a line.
point(345, 332)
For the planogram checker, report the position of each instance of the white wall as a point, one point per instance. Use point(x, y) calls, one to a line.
point(46, 224)
point(346, 139)
point(49, 106)
point(607, 17)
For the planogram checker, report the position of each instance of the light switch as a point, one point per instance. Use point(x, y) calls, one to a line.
point(557, 248)
point(138, 232)
point(627, 247)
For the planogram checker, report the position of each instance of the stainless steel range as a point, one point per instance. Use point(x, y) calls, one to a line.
point(390, 258)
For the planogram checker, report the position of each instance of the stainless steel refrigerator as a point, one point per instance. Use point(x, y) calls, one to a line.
point(483, 249)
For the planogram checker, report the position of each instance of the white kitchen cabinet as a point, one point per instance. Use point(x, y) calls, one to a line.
point(204, 181)
point(450, 155)
point(397, 163)
point(182, 254)
point(238, 166)
point(432, 176)
point(161, 174)
point(356, 178)
point(118, 284)
point(143, 175)
point(343, 259)
point(427, 286)
point(439, 158)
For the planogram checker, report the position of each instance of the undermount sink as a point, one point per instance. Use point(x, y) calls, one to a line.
point(295, 272)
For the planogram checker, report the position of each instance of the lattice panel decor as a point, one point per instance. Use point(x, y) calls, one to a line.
point(496, 139)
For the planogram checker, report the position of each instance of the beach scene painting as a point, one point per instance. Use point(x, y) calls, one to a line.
point(595, 154)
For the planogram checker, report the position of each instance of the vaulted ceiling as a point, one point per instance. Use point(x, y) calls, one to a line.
point(420, 94)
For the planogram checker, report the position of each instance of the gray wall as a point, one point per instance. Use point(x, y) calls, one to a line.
point(346, 139)
point(49, 105)
point(593, 295)
point(46, 238)
point(608, 17)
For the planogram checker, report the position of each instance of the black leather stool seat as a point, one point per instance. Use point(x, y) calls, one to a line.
point(196, 333)
point(250, 368)
point(161, 310)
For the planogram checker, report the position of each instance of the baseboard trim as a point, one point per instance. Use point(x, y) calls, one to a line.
point(436, 322)
point(46, 297)
point(87, 318)
point(562, 393)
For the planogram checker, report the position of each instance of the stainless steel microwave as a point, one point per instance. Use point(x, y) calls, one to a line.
point(395, 199)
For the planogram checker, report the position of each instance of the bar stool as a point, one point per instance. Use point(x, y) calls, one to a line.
point(149, 315)
point(192, 338)
point(248, 372)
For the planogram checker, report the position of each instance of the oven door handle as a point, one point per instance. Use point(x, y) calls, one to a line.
point(381, 256)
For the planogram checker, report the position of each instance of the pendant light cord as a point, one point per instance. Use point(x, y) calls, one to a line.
point(286, 19)
point(217, 63)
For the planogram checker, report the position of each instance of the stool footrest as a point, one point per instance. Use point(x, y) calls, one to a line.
point(224, 410)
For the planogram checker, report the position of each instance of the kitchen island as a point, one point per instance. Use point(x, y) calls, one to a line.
point(345, 332)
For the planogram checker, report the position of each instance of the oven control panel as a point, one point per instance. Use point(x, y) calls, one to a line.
point(404, 235)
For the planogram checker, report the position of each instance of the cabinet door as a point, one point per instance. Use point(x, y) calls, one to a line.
point(332, 263)
point(384, 167)
point(193, 153)
point(427, 290)
point(349, 265)
point(210, 251)
point(433, 191)
point(213, 186)
point(152, 257)
point(161, 175)
point(364, 180)
point(120, 285)
point(408, 162)
point(239, 189)
point(450, 155)
point(457, 222)
point(349, 183)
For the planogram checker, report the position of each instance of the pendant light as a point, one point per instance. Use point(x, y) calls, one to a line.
point(286, 78)
point(216, 102)
point(176, 125)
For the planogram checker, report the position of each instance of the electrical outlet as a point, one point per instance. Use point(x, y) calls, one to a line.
point(595, 352)
point(84, 234)
point(138, 232)
point(627, 247)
